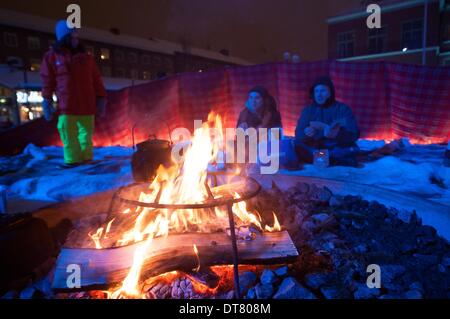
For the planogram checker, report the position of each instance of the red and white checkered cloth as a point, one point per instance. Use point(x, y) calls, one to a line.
point(389, 100)
point(419, 101)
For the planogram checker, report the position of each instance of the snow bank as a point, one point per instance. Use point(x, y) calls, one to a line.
point(416, 170)
point(36, 174)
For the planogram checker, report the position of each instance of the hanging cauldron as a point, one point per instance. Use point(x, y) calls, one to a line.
point(148, 156)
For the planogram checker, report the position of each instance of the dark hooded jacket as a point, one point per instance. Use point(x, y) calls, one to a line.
point(253, 120)
point(328, 113)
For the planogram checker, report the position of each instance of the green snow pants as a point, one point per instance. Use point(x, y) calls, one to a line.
point(76, 133)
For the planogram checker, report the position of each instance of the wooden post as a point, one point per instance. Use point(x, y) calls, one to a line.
point(237, 292)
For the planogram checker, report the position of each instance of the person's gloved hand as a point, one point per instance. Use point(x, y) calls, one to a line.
point(48, 109)
point(331, 131)
point(317, 125)
point(309, 131)
point(101, 106)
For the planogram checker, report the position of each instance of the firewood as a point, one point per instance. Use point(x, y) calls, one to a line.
point(102, 268)
point(206, 277)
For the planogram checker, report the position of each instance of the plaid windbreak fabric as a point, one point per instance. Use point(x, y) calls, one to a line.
point(389, 101)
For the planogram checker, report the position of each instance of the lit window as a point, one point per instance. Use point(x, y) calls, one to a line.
point(412, 34)
point(35, 65)
point(10, 39)
point(34, 43)
point(146, 75)
point(104, 54)
point(30, 104)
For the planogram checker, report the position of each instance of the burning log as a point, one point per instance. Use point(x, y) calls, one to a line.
point(102, 268)
point(205, 276)
point(183, 199)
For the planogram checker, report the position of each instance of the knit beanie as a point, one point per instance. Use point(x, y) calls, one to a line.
point(61, 29)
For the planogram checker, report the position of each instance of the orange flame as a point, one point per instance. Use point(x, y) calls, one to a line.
point(183, 183)
point(96, 238)
point(276, 225)
point(197, 257)
point(108, 228)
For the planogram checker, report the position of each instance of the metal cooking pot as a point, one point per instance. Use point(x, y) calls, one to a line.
point(148, 156)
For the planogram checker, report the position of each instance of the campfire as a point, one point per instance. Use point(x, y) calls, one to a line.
point(186, 220)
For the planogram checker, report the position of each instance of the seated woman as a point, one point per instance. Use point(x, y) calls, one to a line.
point(260, 110)
point(327, 124)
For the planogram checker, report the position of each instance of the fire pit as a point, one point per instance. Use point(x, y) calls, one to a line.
point(185, 249)
point(190, 231)
point(251, 189)
point(338, 236)
point(185, 219)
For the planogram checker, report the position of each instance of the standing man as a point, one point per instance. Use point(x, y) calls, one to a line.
point(73, 74)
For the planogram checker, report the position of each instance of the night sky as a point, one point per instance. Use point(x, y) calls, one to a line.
point(256, 30)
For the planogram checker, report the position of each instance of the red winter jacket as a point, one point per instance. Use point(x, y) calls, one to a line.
point(74, 78)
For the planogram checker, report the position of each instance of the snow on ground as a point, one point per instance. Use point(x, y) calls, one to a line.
point(36, 175)
point(411, 171)
point(31, 177)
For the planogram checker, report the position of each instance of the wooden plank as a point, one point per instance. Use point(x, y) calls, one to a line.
point(100, 268)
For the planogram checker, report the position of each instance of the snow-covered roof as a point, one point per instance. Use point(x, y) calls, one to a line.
point(12, 79)
point(26, 21)
point(386, 6)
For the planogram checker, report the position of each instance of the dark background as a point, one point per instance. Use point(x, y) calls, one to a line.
point(256, 30)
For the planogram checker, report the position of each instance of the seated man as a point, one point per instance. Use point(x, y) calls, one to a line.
point(327, 124)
